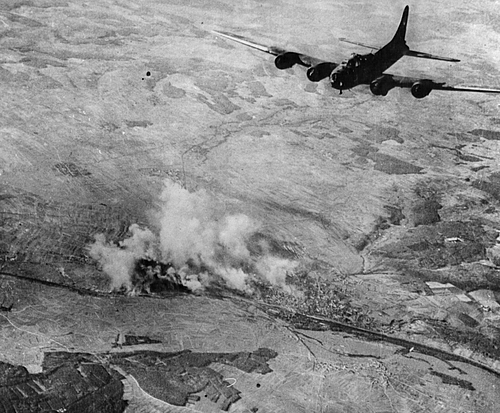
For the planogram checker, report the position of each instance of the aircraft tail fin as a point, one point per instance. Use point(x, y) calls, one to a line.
point(400, 35)
point(399, 39)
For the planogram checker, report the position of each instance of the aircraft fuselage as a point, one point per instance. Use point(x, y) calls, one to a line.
point(364, 69)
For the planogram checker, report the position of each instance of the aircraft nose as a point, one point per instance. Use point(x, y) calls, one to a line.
point(336, 80)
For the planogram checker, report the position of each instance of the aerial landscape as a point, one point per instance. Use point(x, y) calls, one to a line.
point(186, 227)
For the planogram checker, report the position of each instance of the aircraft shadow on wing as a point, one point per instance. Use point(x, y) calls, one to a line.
point(363, 69)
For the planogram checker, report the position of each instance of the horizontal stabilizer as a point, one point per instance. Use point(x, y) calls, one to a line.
point(414, 53)
point(343, 39)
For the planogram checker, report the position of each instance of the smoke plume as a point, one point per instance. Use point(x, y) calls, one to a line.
point(118, 261)
point(201, 242)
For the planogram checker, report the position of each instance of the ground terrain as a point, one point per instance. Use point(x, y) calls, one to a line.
point(389, 205)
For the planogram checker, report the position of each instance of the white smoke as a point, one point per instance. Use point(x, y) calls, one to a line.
point(275, 269)
point(118, 261)
point(234, 235)
point(187, 226)
point(199, 240)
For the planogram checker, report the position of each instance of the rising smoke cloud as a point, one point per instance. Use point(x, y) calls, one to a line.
point(200, 241)
point(118, 261)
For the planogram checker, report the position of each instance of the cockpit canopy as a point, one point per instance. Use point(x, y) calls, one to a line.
point(356, 60)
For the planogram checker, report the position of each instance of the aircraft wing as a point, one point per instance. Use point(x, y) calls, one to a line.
point(422, 87)
point(298, 58)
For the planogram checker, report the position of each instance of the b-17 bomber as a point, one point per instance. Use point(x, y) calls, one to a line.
point(364, 69)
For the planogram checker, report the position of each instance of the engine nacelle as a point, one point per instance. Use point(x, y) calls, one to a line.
point(382, 85)
point(320, 71)
point(421, 88)
point(286, 60)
